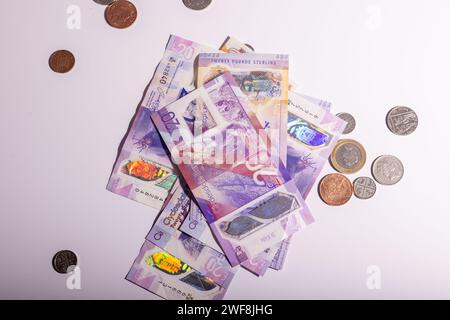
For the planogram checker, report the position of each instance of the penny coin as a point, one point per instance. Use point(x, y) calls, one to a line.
point(348, 156)
point(61, 61)
point(335, 189)
point(402, 121)
point(364, 188)
point(197, 4)
point(387, 170)
point(351, 122)
point(121, 14)
point(64, 260)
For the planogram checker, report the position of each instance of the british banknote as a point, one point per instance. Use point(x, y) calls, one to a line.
point(262, 261)
point(256, 266)
point(143, 171)
point(312, 134)
point(277, 253)
point(264, 78)
point(196, 226)
point(170, 277)
point(233, 45)
point(305, 162)
point(250, 203)
point(165, 234)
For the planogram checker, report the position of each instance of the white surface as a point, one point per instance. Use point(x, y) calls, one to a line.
point(59, 136)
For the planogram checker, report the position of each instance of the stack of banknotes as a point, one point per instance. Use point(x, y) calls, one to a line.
point(227, 152)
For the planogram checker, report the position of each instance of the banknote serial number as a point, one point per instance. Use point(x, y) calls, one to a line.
point(249, 310)
point(166, 71)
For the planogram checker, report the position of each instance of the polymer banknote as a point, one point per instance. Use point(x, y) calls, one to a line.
point(312, 134)
point(196, 226)
point(170, 277)
point(202, 232)
point(165, 234)
point(233, 45)
point(310, 110)
point(264, 78)
point(250, 204)
point(143, 171)
point(256, 266)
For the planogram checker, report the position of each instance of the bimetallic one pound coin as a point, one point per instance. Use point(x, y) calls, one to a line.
point(402, 121)
point(61, 61)
point(335, 189)
point(351, 122)
point(197, 4)
point(364, 188)
point(348, 156)
point(121, 14)
point(387, 170)
point(64, 260)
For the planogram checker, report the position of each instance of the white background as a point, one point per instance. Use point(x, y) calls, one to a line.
point(59, 136)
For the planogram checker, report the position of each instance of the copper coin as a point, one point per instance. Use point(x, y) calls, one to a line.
point(335, 189)
point(61, 61)
point(121, 14)
point(64, 261)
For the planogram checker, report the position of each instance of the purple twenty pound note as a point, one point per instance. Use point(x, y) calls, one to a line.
point(223, 153)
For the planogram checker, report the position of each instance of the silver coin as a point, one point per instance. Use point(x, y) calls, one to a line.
point(387, 170)
point(351, 122)
point(364, 188)
point(402, 121)
point(104, 2)
point(197, 4)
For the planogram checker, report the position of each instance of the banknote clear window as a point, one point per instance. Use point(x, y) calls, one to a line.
point(253, 218)
point(306, 133)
